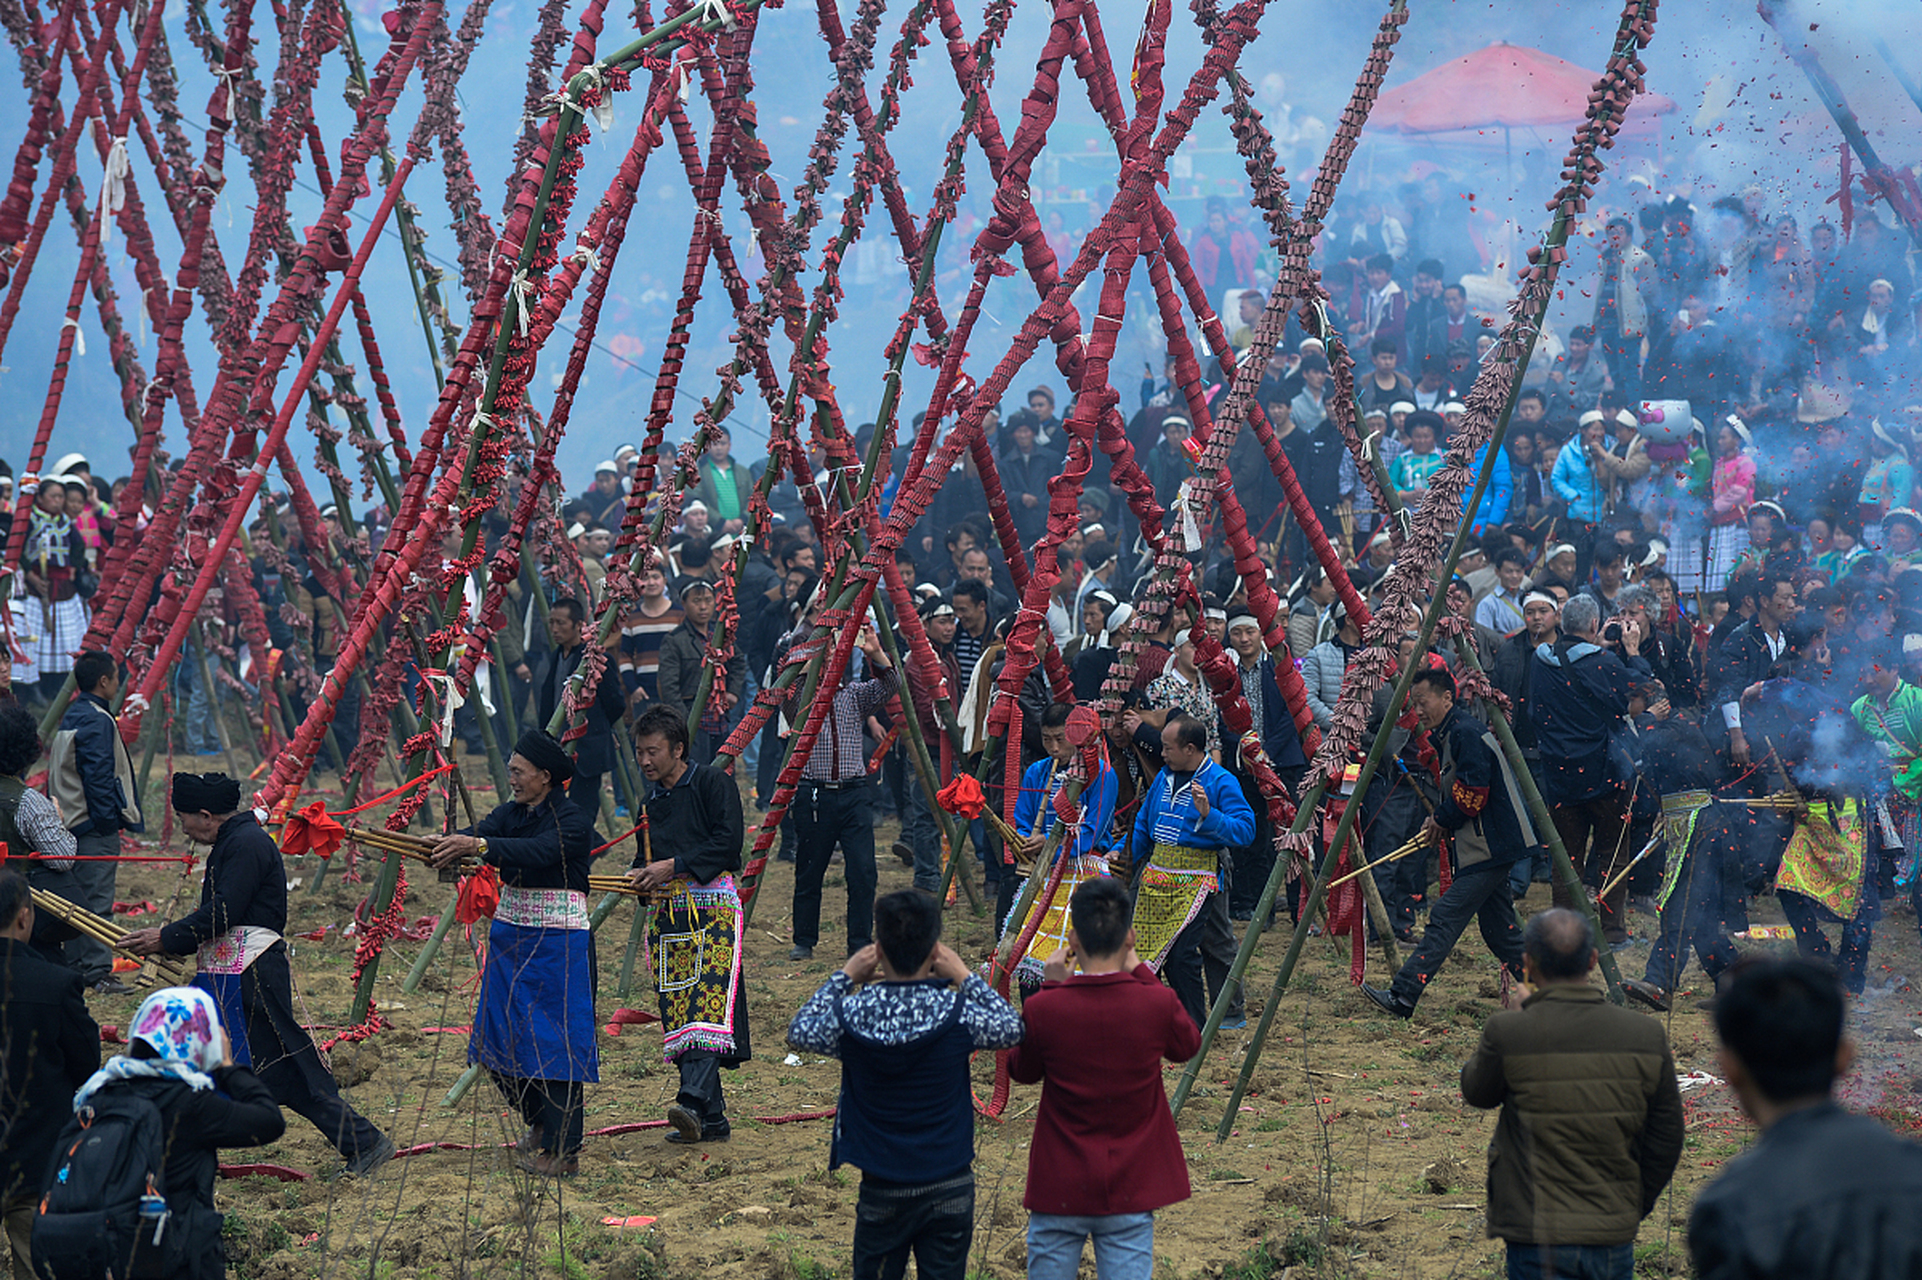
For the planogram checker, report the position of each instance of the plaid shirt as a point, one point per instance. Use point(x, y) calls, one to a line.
point(840, 752)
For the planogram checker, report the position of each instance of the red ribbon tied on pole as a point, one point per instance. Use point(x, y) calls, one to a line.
point(312, 829)
point(963, 797)
point(480, 895)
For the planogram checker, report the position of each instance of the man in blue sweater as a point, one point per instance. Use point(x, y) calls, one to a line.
point(1190, 821)
point(906, 1116)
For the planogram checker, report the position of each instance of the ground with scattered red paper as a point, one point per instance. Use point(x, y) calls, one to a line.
point(1353, 1153)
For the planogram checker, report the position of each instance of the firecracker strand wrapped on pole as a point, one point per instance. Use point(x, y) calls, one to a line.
point(1489, 403)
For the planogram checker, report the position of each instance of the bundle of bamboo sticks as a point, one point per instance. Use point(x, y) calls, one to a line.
point(421, 848)
point(157, 970)
point(1420, 841)
point(1780, 802)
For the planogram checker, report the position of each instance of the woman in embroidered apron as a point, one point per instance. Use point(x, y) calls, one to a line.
point(243, 963)
point(1035, 814)
point(1192, 815)
point(534, 1027)
point(690, 854)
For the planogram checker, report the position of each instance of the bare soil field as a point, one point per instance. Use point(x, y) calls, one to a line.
point(1353, 1154)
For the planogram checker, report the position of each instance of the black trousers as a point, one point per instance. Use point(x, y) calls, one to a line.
point(553, 1109)
point(1694, 918)
point(286, 1061)
point(1595, 833)
point(1198, 963)
point(934, 1222)
point(1480, 895)
point(1391, 814)
point(700, 1090)
point(823, 817)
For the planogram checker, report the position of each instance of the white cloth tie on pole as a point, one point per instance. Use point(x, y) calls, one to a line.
point(79, 335)
point(113, 188)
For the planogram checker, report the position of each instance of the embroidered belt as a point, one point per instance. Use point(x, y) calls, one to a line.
point(231, 952)
point(542, 908)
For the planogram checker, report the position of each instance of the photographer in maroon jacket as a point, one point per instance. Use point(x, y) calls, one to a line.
point(1105, 1154)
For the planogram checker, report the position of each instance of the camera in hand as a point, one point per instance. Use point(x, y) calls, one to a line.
point(1612, 633)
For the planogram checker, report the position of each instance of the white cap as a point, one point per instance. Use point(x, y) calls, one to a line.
point(1243, 620)
point(1544, 597)
point(1593, 415)
point(1402, 406)
point(1454, 406)
point(606, 464)
point(1558, 549)
point(695, 505)
point(67, 464)
point(1182, 637)
point(575, 530)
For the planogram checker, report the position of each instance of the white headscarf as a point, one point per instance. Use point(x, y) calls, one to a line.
point(182, 1027)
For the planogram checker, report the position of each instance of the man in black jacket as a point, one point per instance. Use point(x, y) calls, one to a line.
point(1580, 696)
point(1823, 1194)
point(1481, 813)
point(49, 1045)
point(90, 774)
point(1745, 658)
point(1514, 674)
point(593, 750)
point(689, 855)
point(237, 932)
point(1280, 741)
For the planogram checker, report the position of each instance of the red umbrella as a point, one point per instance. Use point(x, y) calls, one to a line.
point(1504, 86)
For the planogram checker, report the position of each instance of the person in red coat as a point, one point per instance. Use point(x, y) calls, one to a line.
point(1105, 1154)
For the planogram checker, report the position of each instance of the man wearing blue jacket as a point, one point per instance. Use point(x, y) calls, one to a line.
point(1578, 480)
point(904, 1015)
point(90, 774)
point(1482, 815)
point(1192, 816)
point(1085, 845)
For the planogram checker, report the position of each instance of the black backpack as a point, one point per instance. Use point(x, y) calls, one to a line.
point(110, 1157)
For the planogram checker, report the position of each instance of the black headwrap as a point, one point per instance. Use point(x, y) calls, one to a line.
point(544, 751)
point(212, 792)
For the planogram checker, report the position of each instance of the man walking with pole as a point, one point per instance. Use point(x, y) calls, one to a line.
point(1482, 815)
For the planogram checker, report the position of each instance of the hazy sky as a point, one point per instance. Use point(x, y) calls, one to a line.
point(1744, 115)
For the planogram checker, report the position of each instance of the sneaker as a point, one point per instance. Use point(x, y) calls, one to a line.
point(1646, 993)
point(373, 1158)
point(685, 1125)
point(1238, 1024)
point(1387, 1002)
point(1620, 945)
point(799, 952)
point(111, 985)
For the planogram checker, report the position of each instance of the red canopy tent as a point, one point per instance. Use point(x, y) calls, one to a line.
point(1480, 98)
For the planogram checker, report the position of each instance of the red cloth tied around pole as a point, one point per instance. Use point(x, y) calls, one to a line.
point(480, 895)
point(963, 797)
point(311, 829)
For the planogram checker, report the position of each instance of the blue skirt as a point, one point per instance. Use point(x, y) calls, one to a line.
point(535, 1020)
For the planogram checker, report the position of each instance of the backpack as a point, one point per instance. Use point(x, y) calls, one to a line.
point(104, 1215)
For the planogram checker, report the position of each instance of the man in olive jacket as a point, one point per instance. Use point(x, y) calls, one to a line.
point(1591, 1122)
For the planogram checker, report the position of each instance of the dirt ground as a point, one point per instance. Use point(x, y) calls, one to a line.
point(1352, 1154)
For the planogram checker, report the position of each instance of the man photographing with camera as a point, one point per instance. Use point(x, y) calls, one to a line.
point(1581, 691)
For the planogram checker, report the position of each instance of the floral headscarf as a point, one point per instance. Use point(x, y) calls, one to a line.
point(182, 1027)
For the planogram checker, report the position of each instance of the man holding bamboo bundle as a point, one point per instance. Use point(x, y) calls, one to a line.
point(694, 818)
point(534, 1027)
point(90, 774)
point(1481, 814)
point(237, 931)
